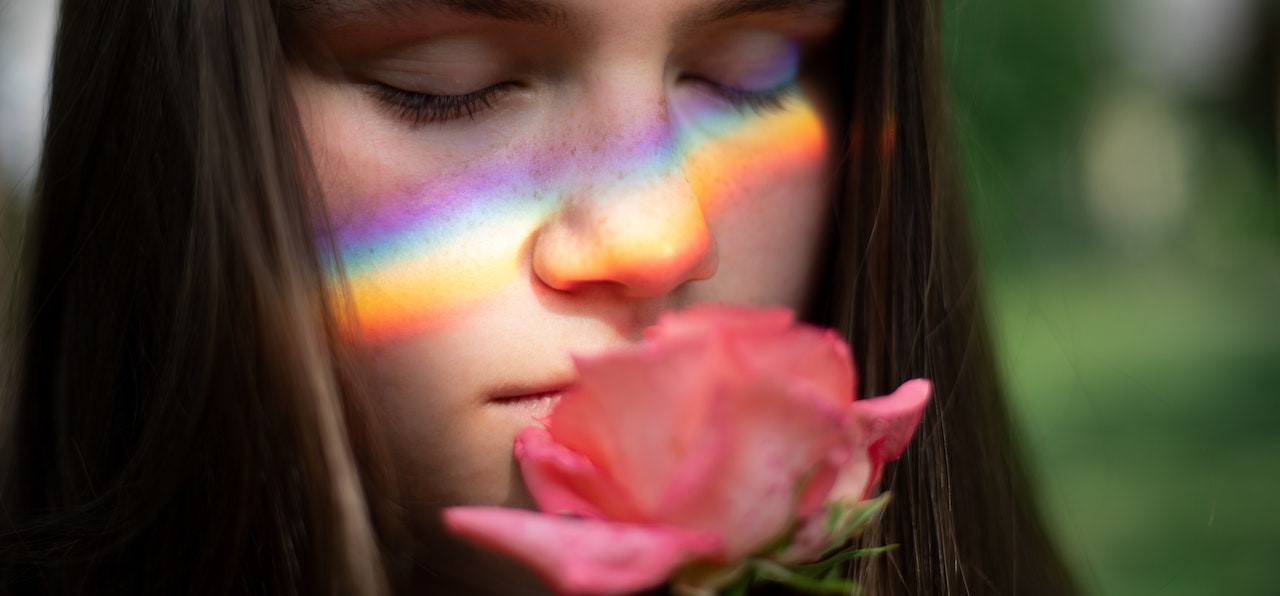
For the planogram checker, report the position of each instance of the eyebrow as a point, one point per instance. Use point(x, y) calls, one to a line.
point(547, 12)
point(540, 12)
point(728, 9)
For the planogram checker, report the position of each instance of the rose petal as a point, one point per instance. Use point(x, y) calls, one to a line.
point(804, 355)
point(818, 486)
point(773, 343)
point(639, 414)
point(887, 423)
point(879, 430)
point(857, 478)
point(698, 472)
point(565, 482)
point(777, 436)
point(582, 556)
point(810, 536)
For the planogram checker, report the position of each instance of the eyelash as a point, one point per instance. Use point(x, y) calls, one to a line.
point(420, 109)
point(765, 101)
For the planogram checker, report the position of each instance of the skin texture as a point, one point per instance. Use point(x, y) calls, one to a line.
point(611, 178)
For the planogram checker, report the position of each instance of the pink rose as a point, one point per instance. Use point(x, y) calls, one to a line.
point(729, 432)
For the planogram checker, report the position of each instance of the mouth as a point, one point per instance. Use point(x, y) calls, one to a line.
point(536, 402)
point(536, 406)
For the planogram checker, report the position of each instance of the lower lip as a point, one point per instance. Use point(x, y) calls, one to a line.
point(535, 405)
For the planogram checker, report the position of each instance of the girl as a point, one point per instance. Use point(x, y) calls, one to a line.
point(301, 269)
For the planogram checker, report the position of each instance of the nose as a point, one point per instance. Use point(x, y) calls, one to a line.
point(638, 226)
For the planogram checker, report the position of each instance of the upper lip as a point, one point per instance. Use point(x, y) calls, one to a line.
point(519, 390)
point(538, 378)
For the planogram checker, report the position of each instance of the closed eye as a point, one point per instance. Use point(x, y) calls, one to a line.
point(420, 109)
point(760, 102)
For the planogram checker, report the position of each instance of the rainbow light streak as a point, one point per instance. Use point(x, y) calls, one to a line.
point(751, 153)
point(419, 260)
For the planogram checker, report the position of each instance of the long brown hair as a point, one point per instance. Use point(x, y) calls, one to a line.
point(182, 421)
point(905, 294)
point(178, 423)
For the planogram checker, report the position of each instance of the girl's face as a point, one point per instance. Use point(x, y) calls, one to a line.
point(515, 181)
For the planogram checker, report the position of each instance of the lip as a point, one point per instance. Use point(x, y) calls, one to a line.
point(529, 407)
point(527, 391)
point(536, 406)
point(536, 399)
point(529, 397)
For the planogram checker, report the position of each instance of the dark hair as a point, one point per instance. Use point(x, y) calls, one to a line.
point(906, 296)
point(179, 421)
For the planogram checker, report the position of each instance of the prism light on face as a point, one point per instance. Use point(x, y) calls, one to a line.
point(416, 262)
point(510, 190)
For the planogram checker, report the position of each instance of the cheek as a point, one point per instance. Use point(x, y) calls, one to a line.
point(447, 449)
point(352, 159)
point(755, 157)
point(766, 190)
point(424, 237)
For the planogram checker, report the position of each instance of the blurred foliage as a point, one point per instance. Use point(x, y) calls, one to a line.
point(1019, 102)
point(1143, 359)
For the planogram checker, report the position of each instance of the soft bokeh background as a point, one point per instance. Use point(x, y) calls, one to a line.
point(1120, 156)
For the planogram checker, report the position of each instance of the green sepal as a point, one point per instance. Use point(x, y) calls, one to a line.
point(773, 572)
point(844, 520)
point(822, 567)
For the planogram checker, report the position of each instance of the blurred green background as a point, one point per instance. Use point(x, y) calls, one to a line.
point(1121, 165)
point(1120, 160)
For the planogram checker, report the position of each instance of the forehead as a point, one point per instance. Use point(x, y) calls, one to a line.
point(565, 14)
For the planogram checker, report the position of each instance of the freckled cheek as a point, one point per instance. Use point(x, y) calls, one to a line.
point(425, 240)
point(735, 169)
point(363, 157)
point(765, 193)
